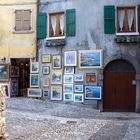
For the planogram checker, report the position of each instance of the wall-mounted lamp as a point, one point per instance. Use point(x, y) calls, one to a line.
point(3, 59)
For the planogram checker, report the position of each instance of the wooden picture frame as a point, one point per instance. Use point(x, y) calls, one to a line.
point(56, 92)
point(56, 62)
point(78, 98)
point(45, 82)
point(56, 77)
point(46, 70)
point(34, 92)
point(14, 71)
point(93, 92)
point(90, 59)
point(34, 80)
point(34, 67)
point(70, 58)
point(46, 58)
point(4, 72)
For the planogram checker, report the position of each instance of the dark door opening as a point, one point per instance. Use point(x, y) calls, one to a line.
point(119, 92)
point(20, 78)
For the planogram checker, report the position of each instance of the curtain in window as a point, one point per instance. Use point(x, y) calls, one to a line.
point(121, 18)
point(130, 18)
point(53, 21)
point(61, 20)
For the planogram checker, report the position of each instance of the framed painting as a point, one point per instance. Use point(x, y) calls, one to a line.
point(69, 70)
point(79, 98)
point(78, 88)
point(46, 58)
point(34, 67)
point(56, 77)
point(68, 96)
point(78, 78)
point(90, 77)
point(14, 87)
point(68, 88)
point(46, 81)
point(56, 61)
point(45, 93)
point(90, 59)
point(14, 71)
point(68, 79)
point(34, 80)
point(34, 92)
point(70, 58)
point(46, 70)
point(56, 93)
point(4, 72)
point(93, 92)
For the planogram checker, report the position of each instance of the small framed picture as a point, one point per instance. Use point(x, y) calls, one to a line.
point(70, 58)
point(56, 77)
point(68, 79)
point(56, 61)
point(34, 67)
point(4, 72)
point(45, 93)
point(93, 92)
point(34, 92)
point(68, 88)
point(79, 98)
point(14, 71)
point(46, 81)
point(69, 70)
point(68, 96)
point(46, 70)
point(90, 77)
point(56, 93)
point(34, 80)
point(78, 78)
point(46, 58)
point(78, 88)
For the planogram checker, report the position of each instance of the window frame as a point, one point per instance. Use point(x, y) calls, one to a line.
point(116, 21)
point(14, 19)
point(48, 26)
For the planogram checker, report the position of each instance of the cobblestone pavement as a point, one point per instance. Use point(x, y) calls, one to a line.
point(31, 119)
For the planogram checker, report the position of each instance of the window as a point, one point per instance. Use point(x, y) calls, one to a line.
point(56, 25)
point(126, 19)
point(22, 20)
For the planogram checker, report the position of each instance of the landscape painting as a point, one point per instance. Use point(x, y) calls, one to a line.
point(56, 93)
point(90, 59)
point(93, 92)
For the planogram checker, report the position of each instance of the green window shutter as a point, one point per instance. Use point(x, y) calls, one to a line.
point(70, 22)
point(109, 19)
point(41, 25)
point(139, 18)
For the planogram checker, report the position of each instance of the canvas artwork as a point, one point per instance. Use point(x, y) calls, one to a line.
point(45, 93)
point(34, 92)
point(68, 79)
point(70, 58)
point(46, 58)
point(68, 96)
point(90, 77)
point(4, 72)
point(90, 59)
point(68, 88)
point(56, 93)
point(79, 98)
point(93, 92)
point(56, 77)
point(46, 70)
point(69, 70)
point(45, 82)
point(78, 88)
point(56, 61)
point(34, 80)
point(34, 67)
point(78, 78)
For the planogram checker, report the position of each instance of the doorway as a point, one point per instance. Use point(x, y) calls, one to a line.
point(119, 87)
point(19, 74)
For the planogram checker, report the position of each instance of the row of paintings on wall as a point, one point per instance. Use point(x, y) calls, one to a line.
point(84, 59)
point(90, 92)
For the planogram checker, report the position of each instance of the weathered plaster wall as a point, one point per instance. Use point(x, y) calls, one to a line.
point(90, 33)
point(16, 45)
